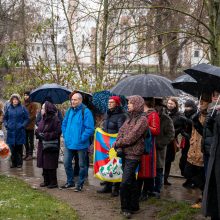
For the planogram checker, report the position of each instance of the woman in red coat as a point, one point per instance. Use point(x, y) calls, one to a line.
point(147, 172)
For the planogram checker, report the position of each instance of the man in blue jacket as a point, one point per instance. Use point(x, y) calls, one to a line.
point(77, 128)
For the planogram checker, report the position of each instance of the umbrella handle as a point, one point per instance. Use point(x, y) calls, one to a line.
point(215, 105)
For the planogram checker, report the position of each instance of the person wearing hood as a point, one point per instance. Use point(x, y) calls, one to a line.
point(147, 172)
point(130, 146)
point(179, 122)
point(16, 119)
point(77, 128)
point(49, 129)
point(113, 120)
point(32, 110)
point(190, 110)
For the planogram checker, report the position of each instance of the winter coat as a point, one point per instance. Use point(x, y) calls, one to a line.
point(211, 195)
point(77, 129)
point(32, 110)
point(179, 122)
point(148, 162)
point(167, 134)
point(195, 156)
point(50, 126)
point(16, 119)
point(131, 134)
point(113, 120)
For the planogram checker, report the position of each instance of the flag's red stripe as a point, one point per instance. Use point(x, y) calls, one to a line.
point(99, 147)
point(107, 140)
point(100, 163)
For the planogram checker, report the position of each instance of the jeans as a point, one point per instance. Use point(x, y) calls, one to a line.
point(158, 180)
point(68, 157)
point(129, 188)
point(29, 146)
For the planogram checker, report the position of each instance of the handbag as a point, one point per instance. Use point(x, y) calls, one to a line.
point(51, 145)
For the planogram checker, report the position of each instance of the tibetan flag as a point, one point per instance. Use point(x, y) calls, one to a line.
point(107, 166)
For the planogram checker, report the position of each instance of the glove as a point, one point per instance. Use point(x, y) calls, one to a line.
point(41, 136)
point(115, 146)
point(120, 153)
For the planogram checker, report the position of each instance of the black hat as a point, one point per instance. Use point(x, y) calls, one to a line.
point(27, 93)
point(190, 103)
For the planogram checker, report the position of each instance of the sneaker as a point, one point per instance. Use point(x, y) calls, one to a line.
point(126, 214)
point(197, 205)
point(29, 158)
point(78, 189)
point(67, 186)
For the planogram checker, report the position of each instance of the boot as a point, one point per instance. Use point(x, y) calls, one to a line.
point(106, 189)
point(46, 178)
point(52, 179)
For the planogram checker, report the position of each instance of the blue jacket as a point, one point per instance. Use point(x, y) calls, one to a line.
point(15, 120)
point(76, 130)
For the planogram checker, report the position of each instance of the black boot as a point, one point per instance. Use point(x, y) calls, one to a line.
point(52, 179)
point(46, 178)
point(106, 189)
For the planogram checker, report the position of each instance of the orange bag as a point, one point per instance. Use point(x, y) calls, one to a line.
point(4, 150)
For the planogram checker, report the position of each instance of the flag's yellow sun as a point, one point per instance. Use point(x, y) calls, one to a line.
point(112, 153)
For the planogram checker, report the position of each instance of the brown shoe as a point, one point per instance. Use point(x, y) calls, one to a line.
point(197, 205)
point(29, 158)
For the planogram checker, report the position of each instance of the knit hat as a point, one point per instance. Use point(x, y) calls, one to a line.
point(27, 93)
point(116, 99)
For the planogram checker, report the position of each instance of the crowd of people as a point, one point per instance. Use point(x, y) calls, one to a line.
point(150, 132)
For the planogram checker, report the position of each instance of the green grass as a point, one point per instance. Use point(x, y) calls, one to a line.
point(172, 210)
point(19, 201)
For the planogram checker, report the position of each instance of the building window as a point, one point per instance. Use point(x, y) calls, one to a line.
point(32, 48)
point(196, 53)
point(38, 48)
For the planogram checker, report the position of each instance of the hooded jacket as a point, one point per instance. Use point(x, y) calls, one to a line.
point(16, 119)
point(131, 134)
point(77, 129)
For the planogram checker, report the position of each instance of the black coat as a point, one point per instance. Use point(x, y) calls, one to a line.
point(211, 195)
point(113, 120)
point(179, 122)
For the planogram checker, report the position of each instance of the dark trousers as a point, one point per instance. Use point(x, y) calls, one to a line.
point(196, 174)
point(50, 176)
point(29, 146)
point(16, 155)
point(145, 186)
point(183, 158)
point(206, 161)
point(128, 188)
point(167, 170)
point(158, 180)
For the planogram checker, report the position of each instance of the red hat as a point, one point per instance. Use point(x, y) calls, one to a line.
point(116, 99)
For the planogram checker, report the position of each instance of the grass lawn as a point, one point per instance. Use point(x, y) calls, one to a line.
point(19, 201)
point(172, 210)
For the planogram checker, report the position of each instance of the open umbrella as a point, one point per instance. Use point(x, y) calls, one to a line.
point(207, 76)
point(145, 85)
point(187, 84)
point(58, 94)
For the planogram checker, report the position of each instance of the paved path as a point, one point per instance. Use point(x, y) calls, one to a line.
point(88, 204)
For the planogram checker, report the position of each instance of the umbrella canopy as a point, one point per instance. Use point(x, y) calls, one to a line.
point(145, 85)
point(100, 101)
point(58, 94)
point(187, 84)
point(87, 98)
point(207, 76)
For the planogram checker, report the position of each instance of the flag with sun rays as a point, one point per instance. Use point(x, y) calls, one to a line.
point(107, 166)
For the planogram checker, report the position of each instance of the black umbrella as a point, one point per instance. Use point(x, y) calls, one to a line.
point(58, 94)
point(187, 84)
point(145, 85)
point(207, 76)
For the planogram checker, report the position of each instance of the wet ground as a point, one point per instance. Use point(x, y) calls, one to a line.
point(90, 205)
